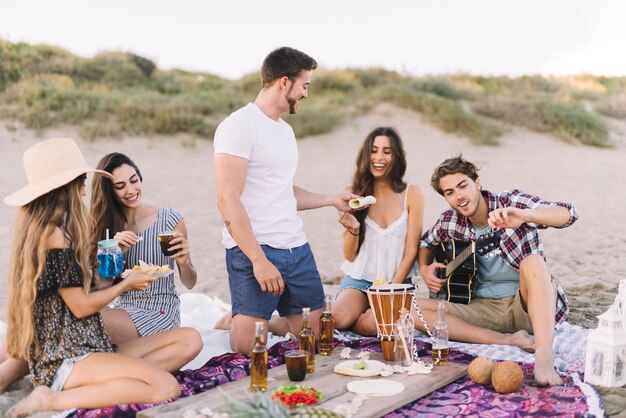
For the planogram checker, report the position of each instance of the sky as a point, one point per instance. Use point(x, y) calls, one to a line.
point(230, 38)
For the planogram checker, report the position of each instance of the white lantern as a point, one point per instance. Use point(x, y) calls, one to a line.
point(605, 362)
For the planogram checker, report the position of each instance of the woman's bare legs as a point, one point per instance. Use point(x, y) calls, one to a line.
point(119, 325)
point(351, 311)
point(117, 322)
point(103, 379)
point(169, 350)
point(11, 370)
point(137, 373)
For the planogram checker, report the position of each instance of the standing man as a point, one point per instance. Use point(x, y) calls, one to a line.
point(270, 264)
point(515, 292)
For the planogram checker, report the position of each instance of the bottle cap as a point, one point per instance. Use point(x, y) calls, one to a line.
point(107, 243)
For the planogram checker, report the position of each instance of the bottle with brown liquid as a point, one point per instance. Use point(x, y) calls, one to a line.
point(327, 329)
point(306, 338)
point(258, 360)
point(440, 336)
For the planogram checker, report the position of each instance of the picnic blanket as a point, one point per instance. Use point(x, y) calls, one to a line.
point(462, 397)
point(215, 366)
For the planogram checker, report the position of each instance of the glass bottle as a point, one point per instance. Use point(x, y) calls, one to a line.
point(327, 329)
point(306, 338)
point(110, 258)
point(258, 360)
point(403, 342)
point(440, 336)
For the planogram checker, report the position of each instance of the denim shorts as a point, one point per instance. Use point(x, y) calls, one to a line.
point(349, 282)
point(303, 285)
point(64, 371)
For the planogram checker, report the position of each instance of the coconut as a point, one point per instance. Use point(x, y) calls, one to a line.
point(507, 377)
point(480, 370)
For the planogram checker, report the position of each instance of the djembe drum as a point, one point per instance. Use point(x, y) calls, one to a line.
point(386, 300)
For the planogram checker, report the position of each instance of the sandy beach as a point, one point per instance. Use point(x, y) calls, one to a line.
point(588, 259)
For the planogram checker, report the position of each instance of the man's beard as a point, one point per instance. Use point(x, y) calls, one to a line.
point(292, 102)
point(292, 105)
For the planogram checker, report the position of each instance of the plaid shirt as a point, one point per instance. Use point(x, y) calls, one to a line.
point(515, 244)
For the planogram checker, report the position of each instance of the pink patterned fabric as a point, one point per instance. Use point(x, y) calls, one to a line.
point(460, 398)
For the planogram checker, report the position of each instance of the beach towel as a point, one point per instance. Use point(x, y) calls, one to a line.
point(570, 344)
point(462, 397)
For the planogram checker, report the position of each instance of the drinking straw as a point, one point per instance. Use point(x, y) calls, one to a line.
point(404, 343)
point(107, 234)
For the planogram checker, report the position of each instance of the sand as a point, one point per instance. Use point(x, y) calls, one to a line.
point(588, 259)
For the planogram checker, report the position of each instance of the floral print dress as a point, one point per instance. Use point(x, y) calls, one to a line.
point(60, 334)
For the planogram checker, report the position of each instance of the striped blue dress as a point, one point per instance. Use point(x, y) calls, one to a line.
point(157, 308)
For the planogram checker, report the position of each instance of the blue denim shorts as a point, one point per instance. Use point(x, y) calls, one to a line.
point(303, 285)
point(349, 282)
point(64, 371)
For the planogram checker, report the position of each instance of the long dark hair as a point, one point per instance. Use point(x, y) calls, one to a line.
point(106, 212)
point(363, 180)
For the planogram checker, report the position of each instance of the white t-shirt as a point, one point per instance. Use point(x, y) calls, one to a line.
point(272, 153)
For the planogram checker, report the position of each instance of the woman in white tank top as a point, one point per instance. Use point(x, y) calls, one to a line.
point(381, 241)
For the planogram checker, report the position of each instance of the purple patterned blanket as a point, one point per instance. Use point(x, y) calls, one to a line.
point(462, 397)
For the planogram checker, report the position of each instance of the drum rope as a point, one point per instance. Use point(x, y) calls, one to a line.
point(423, 320)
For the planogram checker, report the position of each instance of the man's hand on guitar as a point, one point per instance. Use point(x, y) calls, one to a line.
point(429, 275)
point(507, 218)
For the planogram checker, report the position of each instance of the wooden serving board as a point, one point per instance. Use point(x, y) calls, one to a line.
point(331, 384)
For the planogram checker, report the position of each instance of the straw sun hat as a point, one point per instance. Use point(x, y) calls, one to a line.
point(48, 165)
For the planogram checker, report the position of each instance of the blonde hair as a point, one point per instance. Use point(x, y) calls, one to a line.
point(34, 225)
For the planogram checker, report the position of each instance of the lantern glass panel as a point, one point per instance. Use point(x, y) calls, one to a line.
point(619, 365)
point(597, 363)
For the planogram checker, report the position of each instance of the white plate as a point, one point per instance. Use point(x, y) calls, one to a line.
point(374, 368)
point(376, 387)
point(126, 272)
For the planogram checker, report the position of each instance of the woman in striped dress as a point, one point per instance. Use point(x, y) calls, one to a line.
point(117, 205)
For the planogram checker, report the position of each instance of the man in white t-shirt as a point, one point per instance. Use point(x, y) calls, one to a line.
point(270, 264)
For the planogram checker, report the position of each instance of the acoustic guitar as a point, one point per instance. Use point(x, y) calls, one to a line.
point(460, 260)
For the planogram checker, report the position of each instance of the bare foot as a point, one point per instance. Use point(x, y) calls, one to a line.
point(225, 321)
point(35, 402)
point(523, 340)
point(545, 375)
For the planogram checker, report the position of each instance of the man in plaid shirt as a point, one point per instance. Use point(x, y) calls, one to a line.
point(514, 294)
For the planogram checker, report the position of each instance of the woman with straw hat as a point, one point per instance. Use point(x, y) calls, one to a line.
point(53, 319)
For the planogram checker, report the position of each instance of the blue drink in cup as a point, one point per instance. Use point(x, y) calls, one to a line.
point(110, 258)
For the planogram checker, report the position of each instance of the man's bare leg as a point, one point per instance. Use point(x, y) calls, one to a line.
point(295, 322)
point(461, 331)
point(242, 333)
point(538, 294)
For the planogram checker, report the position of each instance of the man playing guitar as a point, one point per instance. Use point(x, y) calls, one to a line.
point(514, 292)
